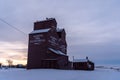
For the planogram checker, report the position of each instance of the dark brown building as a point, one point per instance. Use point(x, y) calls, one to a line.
point(47, 46)
point(83, 64)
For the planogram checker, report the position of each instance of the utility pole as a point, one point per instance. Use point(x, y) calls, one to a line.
point(72, 62)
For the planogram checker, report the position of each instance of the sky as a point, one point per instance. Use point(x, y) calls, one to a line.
point(92, 27)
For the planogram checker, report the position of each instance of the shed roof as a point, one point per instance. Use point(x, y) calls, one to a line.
point(40, 31)
point(59, 30)
point(80, 60)
point(57, 51)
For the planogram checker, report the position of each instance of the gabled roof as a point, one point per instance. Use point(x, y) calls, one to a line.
point(57, 51)
point(40, 31)
point(80, 60)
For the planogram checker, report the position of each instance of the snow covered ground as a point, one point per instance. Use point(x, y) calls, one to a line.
point(53, 74)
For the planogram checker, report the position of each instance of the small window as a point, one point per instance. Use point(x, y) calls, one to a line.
point(59, 34)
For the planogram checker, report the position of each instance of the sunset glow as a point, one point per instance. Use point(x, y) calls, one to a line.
point(15, 51)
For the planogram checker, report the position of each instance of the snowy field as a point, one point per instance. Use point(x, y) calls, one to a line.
point(53, 74)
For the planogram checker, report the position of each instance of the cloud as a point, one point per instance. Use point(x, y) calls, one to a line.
point(15, 51)
point(92, 26)
point(18, 57)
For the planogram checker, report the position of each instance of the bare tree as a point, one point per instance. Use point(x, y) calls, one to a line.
point(10, 62)
point(0, 65)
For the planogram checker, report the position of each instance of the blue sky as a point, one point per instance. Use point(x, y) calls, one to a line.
point(92, 27)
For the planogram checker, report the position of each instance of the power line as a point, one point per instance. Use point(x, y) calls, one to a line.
point(12, 26)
